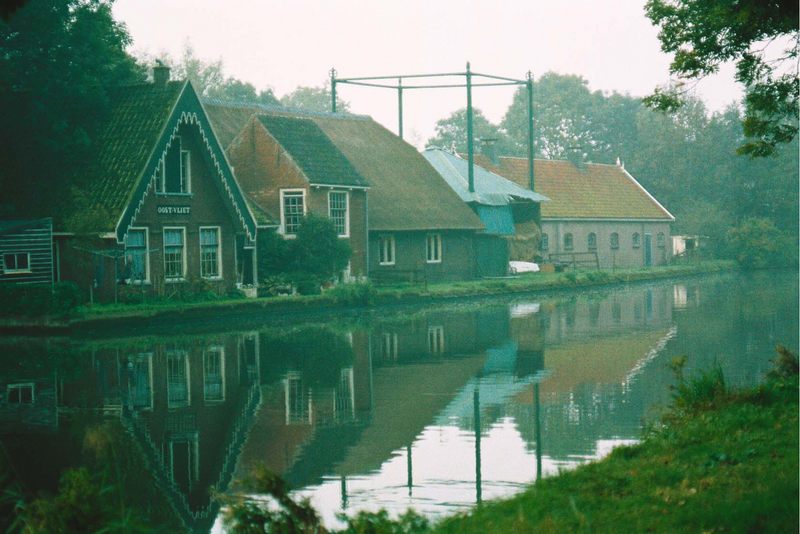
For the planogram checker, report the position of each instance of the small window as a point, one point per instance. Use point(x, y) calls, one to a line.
point(174, 253)
point(386, 250)
point(436, 339)
point(434, 248)
point(20, 393)
point(338, 211)
point(178, 379)
point(174, 171)
point(389, 346)
point(661, 241)
point(614, 241)
point(298, 401)
point(136, 257)
point(17, 262)
point(568, 245)
point(591, 241)
point(214, 374)
point(292, 209)
point(210, 257)
point(636, 240)
point(544, 244)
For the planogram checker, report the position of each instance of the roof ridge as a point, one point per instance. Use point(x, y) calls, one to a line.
point(278, 108)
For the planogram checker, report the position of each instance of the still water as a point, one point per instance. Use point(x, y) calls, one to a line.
point(435, 408)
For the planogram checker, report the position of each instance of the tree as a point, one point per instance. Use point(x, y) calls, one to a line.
point(210, 80)
point(703, 35)
point(313, 99)
point(57, 60)
point(452, 132)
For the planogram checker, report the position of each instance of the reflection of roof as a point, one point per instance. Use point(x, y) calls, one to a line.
point(312, 151)
point(490, 188)
point(406, 400)
point(597, 192)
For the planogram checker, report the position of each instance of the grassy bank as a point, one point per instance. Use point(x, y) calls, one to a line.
point(360, 295)
point(720, 461)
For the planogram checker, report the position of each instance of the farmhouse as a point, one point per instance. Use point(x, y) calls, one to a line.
point(417, 227)
point(288, 167)
point(598, 215)
point(26, 251)
point(162, 212)
point(509, 212)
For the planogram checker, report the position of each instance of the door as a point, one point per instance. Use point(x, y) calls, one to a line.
point(648, 250)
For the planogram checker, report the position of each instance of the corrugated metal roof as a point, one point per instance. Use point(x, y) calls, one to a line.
point(490, 188)
point(498, 220)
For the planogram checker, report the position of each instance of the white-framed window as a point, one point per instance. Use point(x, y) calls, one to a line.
point(210, 252)
point(339, 212)
point(298, 401)
point(17, 262)
point(591, 241)
point(185, 185)
point(386, 250)
point(344, 395)
point(614, 241)
point(433, 248)
point(389, 346)
point(140, 380)
point(636, 240)
point(436, 339)
point(544, 244)
point(23, 393)
point(178, 384)
point(214, 374)
point(568, 242)
point(293, 208)
point(174, 171)
point(174, 253)
point(137, 257)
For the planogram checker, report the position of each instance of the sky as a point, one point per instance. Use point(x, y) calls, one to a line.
point(283, 44)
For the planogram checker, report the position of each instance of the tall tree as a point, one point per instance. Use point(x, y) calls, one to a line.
point(451, 132)
point(704, 34)
point(313, 99)
point(57, 59)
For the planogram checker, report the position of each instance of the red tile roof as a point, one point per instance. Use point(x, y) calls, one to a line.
point(597, 191)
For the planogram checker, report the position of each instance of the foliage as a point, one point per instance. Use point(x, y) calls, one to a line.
point(704, 35)
point(313, 99)
point(314, 256)
point(379, 522)
point(361, 293)
point(699, 392)
point(57, 60)
point(210, 81)
point(451, 132)
point(318, 353)
point(39, 300)
point(758, 244)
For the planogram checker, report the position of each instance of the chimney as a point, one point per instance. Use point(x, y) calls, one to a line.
point(489, 149)
point(160, 74)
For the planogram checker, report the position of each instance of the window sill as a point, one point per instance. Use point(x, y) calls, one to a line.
point(387, 264)
point(137, 282)
point(433, 261)
point(17, 271)
point(174, 280)
point(212, 278)
point(165, 194)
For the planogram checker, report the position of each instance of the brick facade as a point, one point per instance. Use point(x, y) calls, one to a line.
point(410, 256)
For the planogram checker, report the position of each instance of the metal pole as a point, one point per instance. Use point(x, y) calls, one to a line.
point(400, 107)
point(529, 86)
point(333, 90)
point(476, 406)
point(537, 430)
point(409, 468)
point(470, 148)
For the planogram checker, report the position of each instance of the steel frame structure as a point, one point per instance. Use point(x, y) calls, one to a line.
point(385, 82)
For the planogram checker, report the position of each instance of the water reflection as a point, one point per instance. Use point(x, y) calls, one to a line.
point(431, 408)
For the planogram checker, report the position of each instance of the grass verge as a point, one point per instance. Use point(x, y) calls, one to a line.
point(719, 461)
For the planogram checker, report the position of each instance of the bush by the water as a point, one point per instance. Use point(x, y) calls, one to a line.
point(39, 300)
point(758, 244)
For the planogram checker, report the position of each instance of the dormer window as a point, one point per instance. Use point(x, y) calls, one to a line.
point(174, 173)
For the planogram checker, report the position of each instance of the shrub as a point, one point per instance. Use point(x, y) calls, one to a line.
point(39, 300)
point(360, 293)
point(758, 244)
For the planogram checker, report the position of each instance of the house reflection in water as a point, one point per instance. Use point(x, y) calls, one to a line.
point(338, 405)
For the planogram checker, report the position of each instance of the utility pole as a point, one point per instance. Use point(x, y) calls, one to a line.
point(333, 90)
point(470, 148)
point(529, 85)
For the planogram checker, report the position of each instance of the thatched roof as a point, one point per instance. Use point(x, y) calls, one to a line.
point(597, 191)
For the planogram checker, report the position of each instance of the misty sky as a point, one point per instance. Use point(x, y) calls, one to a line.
point(286, 43)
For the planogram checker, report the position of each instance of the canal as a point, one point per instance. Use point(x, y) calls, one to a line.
point(436, 408)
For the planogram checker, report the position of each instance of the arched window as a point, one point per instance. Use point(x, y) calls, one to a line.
point(544, 244)
point(567, 241)
point(660, 240)
point(614, 241)
point(591, 241)
point(636, 240)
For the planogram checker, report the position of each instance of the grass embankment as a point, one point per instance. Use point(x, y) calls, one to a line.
point(368, 295)
point(720, 461)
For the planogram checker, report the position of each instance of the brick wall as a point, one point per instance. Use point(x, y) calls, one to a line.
point(457, 261)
